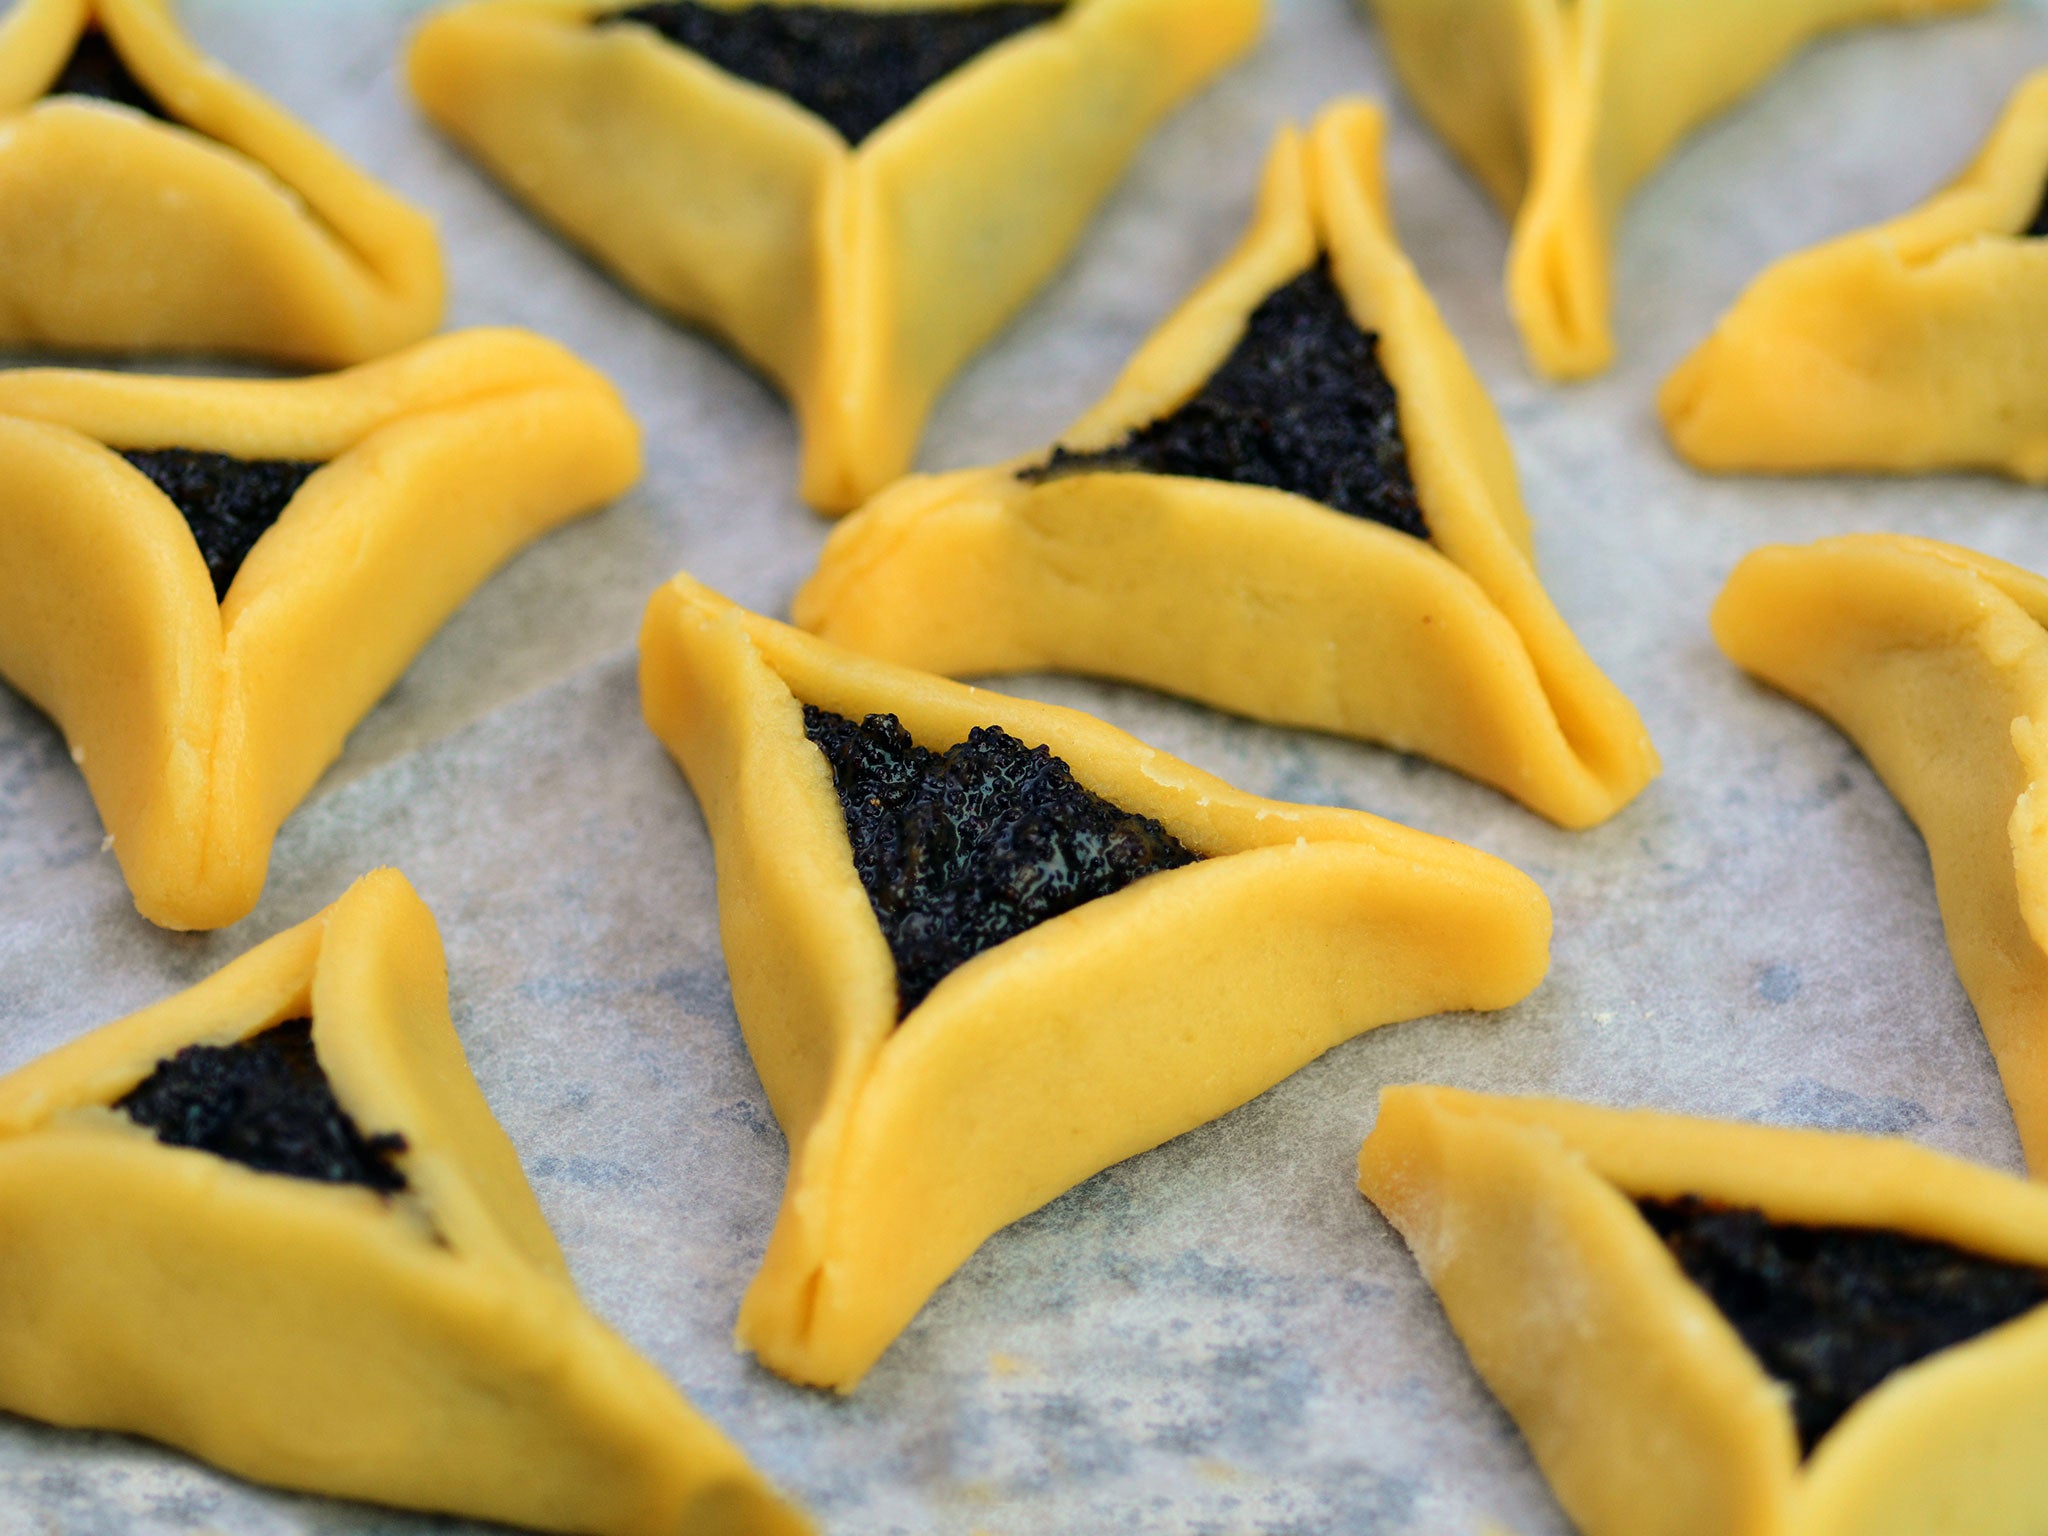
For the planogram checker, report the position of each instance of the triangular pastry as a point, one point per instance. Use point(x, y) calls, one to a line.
point(1912, 346)
point(1708, 1328)
point(1297, 504)
point(151, 202)
point(860, 275)
point(1560, 107)
point(271, 1221)
point(942, 1060)
point(1934, 661)
point(208, 582)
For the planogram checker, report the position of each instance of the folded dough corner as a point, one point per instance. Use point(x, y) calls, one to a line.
point(857, 277)
point(325, 1269)
point(1560, 107)
point(1742, 1327)
point(1912, 346)
point(207, 583)
point(1933, 660)
point(1272, 933)
point(151, 203)
point(1297, 504)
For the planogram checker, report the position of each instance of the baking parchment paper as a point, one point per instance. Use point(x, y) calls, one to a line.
point(1219, 1336)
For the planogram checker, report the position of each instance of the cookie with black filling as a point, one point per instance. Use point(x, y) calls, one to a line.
point(983, 948)
point(156, 204)
point(1910, 347)
point(246, 566)
point(1757, 1329)
point(1297, 505)
point(1560, 108)
point(273, 1216)
point(854, 196)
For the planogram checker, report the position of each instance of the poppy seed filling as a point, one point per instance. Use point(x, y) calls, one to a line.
point(267, 1104)
point(95, 69)
point(229, 503)
point(962, 849)
point(1301, 405)
point(1832, 1311)
point(854, 68)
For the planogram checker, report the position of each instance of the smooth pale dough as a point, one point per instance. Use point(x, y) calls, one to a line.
point(1086, 1040)
point(425, 1350)
point(1560, 107)
point(1917, 345)
point(1253, 600)
point(200, 724)
point(1640, 1401)
point(1934, 661)
point(858, 279)
point(236, 230)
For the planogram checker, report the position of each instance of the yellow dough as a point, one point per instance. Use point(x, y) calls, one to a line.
point(423, 1349)
point(234, 230)
point(1913, 346)
point(858, 279)
point(1254, 600)
point(1641, 1402)
point(1639, 1399)
point(1933, 660)
point(199, 723)
point(1560, 107)
point(1083, 1041)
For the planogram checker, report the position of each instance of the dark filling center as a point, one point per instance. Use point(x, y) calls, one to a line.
point(265, 1103)
point(962, 849)
point(95, 69)
point(854, 68)
point(1832, 1311)
point(229, 502)
point(2038, 225)
point(1301, 404)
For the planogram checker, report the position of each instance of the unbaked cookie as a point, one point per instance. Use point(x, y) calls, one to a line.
point(151, 202)
point(1297, 504)
point(940, 1073)
point(1934, 661)
point(1560, 107)
point(206, 583)
point(1911, 346)
point(1742, 1328)
point(272, 1221)
point(857, 275)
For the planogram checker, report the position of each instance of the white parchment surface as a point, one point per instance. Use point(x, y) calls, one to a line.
point(1219, 1336)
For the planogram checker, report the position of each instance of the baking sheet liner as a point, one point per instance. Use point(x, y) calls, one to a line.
point(1219, 1336)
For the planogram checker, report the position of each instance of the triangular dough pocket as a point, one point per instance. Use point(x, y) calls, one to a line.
point(1934, 661)
point(945, 1077)
point(1297, 504)
point(206, 583)
point(1706, 1328)
point(1917, 345)
point(857, 276)
point(151, 202)
point(271, 1221)
point(1560, 107)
